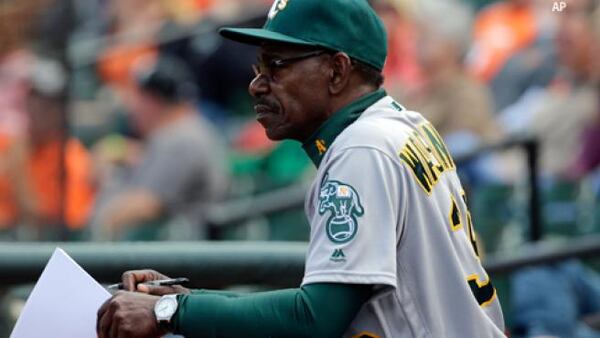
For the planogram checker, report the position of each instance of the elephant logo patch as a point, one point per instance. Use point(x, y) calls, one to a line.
point(343, 202)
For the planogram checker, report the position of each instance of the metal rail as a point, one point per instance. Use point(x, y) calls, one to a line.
point(543, 252)
point(208, 264)
point(220, 264)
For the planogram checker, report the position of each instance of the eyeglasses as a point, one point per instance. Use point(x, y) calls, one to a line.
point(267, 68)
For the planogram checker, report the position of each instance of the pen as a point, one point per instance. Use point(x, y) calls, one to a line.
point(158, 282)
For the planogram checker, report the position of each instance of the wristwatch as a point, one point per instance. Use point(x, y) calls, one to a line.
point(164, 309)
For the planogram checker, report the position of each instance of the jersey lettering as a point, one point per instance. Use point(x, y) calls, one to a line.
point(454, 217)
point(427, 156)
point(470, 229)
point(483, 291)
point(321, 147)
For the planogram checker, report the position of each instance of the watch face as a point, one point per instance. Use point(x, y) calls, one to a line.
point(165, 308)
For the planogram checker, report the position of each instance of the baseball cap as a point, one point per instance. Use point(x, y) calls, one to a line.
point(168, 77)
point(349, 26)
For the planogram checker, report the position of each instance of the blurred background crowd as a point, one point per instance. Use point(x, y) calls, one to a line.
point(124, 120)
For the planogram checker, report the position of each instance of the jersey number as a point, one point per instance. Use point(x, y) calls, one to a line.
point(483, 290)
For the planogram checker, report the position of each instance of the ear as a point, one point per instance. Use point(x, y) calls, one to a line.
point(339, 76)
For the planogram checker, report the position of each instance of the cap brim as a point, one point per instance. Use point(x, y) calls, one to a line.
point(257, 36)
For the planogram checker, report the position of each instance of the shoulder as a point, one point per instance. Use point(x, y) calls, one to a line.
point(385, 126)
point(190, 132)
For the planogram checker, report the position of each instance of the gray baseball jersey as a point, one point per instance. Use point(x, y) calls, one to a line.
point(387, 209)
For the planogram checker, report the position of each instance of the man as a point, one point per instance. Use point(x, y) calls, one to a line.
point(390, 251)
point(500, 31)
point(574, 89)
point(181, 169)
point(46, 187)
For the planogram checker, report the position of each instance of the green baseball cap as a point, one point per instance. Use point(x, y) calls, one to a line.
point(349, 26)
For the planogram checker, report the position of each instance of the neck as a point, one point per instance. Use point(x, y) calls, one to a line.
point(171, 115)
point(342, 101)
point(348, 111)
point(442, 74)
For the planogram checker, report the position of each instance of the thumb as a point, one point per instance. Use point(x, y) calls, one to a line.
point(143, 288)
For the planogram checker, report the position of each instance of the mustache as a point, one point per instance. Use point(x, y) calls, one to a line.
point(265, 101)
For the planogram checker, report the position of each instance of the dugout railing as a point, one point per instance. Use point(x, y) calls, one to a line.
point(223, 264)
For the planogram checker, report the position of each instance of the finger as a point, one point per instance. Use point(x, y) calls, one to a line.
point(143, 288)
point(115, 326)
point(105, 323)
point(156, 290)
point(131, 278)
point(101, 311)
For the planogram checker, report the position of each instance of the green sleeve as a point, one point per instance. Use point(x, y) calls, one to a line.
point(315, 310)
point(216, 292)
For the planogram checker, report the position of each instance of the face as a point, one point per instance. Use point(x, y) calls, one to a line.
point(291, 100)
point(433, 52)
point(574, 38)
point(143, 110)
point(44, 117)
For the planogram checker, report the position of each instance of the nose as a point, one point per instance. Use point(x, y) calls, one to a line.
point(259, 86)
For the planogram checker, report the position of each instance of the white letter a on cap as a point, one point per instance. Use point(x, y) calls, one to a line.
point(278, 5)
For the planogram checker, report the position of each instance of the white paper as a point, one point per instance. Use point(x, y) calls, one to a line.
point(63, 302)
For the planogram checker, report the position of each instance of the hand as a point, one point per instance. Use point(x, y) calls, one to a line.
point(129, 315)
point(131, 282)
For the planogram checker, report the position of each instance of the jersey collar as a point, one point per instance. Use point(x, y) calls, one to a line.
point(317, 145)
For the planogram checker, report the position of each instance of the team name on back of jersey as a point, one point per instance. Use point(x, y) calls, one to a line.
point(427, 156)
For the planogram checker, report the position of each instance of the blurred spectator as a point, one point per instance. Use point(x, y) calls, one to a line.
point(179, 171)
point(589, 155)
point(14, 84)
point(533, 65)
point(45, 177)
point(62, 23)
point(402, 71)
point(16, 23)
point(134, 26)
point(453, 101)
point(16, 26)
point(501, 30)
point(558, 114)
point(222, 68)
point(458, 106)
point(554, 301)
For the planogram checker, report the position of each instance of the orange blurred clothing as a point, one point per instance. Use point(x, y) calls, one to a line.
point(117, 62)
point(8, 208)
point(402, 67)
point(204, 4)
point(499, 32)
point(42, 173)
